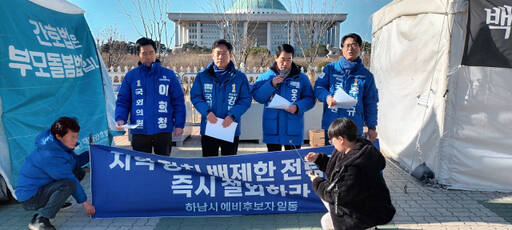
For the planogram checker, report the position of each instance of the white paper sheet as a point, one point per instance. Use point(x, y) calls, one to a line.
point(279, 102)
point(343, 100)
point(129, 126)
point(217, 131)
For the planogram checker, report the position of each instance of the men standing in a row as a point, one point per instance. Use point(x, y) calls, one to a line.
point(284, 127)
point(152, 97)
point(350, 75)
point(220, 91)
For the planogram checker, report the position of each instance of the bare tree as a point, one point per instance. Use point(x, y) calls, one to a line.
point(237, 27)
point(152, 15)
point(310, 30)
point(366, 54)
point(112, 46)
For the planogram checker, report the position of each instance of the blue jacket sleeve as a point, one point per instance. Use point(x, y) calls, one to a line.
point(322, 85)
point(370, 99)
point(124, 100)
point(196, 96)
point(307, 98)
point(58, 168)
point(177, 103)
point(262, 90)
point(244, 99)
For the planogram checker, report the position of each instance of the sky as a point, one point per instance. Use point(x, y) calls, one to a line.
point(104, 14)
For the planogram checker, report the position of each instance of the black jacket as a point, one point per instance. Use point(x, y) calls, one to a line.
point(359, 191)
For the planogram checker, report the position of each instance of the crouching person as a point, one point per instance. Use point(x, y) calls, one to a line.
point(354, 189)
point(52, 173)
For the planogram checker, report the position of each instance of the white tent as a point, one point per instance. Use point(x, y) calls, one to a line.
point(457, 119)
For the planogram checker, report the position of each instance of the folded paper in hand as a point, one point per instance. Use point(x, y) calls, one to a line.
point(218, 131)
point(129, 126)
point(343, 100)
point(279, 102)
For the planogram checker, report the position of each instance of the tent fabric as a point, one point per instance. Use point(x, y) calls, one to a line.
point(34, 96)
point(62, 6)
point(399, 8)
point(5, 160)
point(454, 118)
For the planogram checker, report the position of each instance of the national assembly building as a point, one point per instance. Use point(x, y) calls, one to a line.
point(268, 22)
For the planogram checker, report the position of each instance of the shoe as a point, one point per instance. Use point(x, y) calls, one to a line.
point(66, 205)
point(40, 223)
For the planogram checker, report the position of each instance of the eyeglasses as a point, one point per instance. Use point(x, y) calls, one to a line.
point(351, 45)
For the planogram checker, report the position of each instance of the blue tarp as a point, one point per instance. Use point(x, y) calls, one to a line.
point(49, 67)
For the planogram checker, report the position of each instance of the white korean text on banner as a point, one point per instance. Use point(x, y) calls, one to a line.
point(488, 37)
point(125, 183)
point(49, 68)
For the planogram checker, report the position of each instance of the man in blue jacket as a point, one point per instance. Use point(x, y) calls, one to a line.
point(350, 75)
point(153, 98)
point(284, 126)
point(49, 175)
point(220, 91)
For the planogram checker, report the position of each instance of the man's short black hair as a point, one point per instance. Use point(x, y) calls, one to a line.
point(222, 42)
point(343, 127)
point(144, 41)
point(353, 36)
point(63, 125)
point(286, 48)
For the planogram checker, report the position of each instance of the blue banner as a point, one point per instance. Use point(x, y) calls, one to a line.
point(49, 68)
point(125, 183)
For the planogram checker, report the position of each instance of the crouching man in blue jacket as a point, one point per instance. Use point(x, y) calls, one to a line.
point(153, 98)
point(52, 173)
point(284, 127)
point(220, 91)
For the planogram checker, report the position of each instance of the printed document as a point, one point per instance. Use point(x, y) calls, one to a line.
point(279, 102)
point(343, 100)
point(217, 131)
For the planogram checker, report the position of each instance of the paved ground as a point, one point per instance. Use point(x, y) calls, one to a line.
point(420, 207)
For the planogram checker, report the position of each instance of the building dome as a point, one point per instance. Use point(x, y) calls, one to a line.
point(257, 7)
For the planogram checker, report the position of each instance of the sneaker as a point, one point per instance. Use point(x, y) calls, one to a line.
point(40, 223)
point(66, 205)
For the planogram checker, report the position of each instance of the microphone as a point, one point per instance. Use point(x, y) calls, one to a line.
point(284, 73)
point(300, 157)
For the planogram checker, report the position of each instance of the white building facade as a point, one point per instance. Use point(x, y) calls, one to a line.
point(267, 21)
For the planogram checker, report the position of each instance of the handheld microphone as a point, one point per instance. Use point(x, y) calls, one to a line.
point(284, 73)
point(300, 157)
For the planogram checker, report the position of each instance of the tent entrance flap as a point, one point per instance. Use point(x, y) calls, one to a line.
point(434, 110)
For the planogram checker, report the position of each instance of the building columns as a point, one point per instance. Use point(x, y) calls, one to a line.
point(331, 37)
point(337, 35)
point(199, 41)
point(187, 38)
point(176, 35)
point(269, 36)
point(292, 34)
point(221, 29)
point(182, 35)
